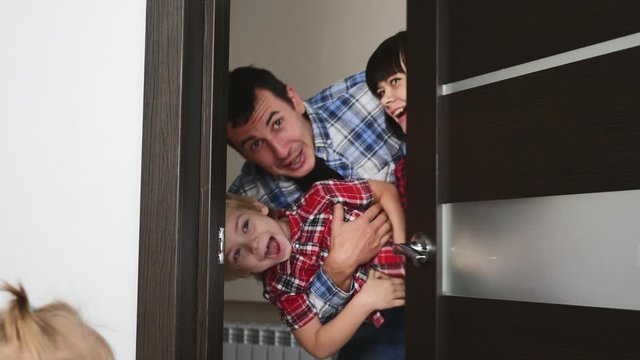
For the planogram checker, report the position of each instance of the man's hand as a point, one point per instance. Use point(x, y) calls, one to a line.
point(381, 292)
point(354, 243)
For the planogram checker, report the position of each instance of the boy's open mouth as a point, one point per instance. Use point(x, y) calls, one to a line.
point(273, 247)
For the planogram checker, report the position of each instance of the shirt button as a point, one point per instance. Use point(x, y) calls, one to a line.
point(296, 245)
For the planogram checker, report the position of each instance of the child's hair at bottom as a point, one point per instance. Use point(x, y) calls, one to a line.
point(52, 332)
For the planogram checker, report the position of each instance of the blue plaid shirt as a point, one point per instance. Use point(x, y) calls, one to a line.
point(349, 133)
point(326, 298)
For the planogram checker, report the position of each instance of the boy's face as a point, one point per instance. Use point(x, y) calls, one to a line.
point(254, 241)
point(277, 137)
point(392, 93)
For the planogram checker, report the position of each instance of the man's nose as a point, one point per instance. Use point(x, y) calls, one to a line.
point(280, 150)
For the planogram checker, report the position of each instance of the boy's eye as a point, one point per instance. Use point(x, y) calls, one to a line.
point(236, 255)
point(277, 123)
point(245, 226)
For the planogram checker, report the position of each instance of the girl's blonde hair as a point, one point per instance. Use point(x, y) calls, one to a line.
point(52, 332)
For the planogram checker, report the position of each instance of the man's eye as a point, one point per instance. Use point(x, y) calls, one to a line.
point(236, 255)
point(245, 226)
point(255, 145)
point(277, 123)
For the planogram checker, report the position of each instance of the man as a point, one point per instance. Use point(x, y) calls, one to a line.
point(289, 144)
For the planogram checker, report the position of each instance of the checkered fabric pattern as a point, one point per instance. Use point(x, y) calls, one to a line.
point(287, 284)
point(326, 297)
point(401, 182)
point(349, 134)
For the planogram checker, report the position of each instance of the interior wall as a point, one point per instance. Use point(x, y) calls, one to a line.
point(70, 149)
point(308, 44)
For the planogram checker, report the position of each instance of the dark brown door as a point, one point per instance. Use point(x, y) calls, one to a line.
point(180, 281)
point(526, 144)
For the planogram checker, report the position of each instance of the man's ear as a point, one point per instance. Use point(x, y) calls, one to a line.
point(298, 105)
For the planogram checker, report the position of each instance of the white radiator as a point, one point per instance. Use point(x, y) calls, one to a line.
point(249, 341)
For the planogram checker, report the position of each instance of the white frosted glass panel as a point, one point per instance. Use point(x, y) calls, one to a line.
point(573, 249)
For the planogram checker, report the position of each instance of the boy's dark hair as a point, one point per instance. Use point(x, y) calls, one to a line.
point(388, 59)
point(243, 82)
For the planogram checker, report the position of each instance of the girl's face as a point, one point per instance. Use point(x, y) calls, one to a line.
point(392, 93)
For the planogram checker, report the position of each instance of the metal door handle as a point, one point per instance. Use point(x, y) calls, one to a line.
point(419, 249)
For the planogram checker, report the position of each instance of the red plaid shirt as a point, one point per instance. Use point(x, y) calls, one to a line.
point(287, 284)
point(401, 181)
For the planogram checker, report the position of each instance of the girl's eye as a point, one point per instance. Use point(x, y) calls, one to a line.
point(245, 226)
point(277, 123)
point(394, 81)
point(380, 93)
point(236, 255)
point(255, 145)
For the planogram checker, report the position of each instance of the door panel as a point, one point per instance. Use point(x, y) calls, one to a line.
point(494, 329)
point(421, 213)
point(570, 129)
point(485, 36)
point(182, 199)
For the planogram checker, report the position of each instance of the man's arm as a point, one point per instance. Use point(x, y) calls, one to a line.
point(354, 243)
point(378, 293)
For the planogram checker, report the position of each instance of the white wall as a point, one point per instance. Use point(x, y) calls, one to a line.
point(71, 89)
point(308, 44)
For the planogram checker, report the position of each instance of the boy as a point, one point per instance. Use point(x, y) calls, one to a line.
point(287, 247)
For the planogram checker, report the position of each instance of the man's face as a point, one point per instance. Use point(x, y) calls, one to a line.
point(254, 241)
point(277, 136)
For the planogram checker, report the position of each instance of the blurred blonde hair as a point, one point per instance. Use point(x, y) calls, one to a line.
point(240, 202)
point(52, 332)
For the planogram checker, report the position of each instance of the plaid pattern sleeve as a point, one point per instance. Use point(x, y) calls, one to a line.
point(326, 298)
point(349, 133)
